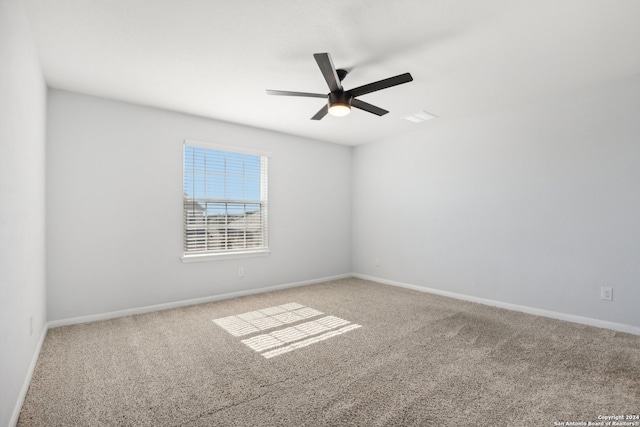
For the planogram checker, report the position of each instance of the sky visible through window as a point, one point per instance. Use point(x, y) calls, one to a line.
point(214, 175)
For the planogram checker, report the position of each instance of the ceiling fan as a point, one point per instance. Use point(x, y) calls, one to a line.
point(340, 101)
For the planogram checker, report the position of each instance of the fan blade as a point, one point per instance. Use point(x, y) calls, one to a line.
point(320, 114)
point(288, 93)
point(368, 107)
point(328, 71)
point(381, 84)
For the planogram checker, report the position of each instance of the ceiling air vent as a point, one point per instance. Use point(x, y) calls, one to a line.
point(420, 116)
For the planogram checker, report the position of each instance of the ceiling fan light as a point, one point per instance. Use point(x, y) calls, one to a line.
point(339, 109)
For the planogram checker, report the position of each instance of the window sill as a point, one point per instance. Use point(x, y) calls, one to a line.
point(224, 256)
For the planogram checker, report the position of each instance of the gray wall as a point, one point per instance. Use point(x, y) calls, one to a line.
point(114, 220)
point(22, 205)
point(537, 206)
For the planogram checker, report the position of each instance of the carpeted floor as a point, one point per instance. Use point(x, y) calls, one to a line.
point(348, 352)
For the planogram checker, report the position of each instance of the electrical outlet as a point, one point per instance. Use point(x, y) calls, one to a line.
point(606, 293)
point(377, 262)
point(240, 272)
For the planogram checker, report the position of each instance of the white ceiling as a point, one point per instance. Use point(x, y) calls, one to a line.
point(215, 58)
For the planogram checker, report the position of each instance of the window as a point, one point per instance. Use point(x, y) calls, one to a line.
point(224, 201)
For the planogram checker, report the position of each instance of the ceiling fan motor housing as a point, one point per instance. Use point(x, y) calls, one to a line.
point(340, 98)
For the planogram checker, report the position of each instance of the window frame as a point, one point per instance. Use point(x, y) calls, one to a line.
point(187, 257)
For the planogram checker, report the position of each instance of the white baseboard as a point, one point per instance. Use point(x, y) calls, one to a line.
point(635, 330)
point(27, 379)
point(183, 303)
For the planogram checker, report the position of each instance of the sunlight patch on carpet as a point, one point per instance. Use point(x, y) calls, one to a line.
point(286, 339)
point(266, 318)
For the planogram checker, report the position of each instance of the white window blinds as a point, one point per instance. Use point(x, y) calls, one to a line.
point(224, 200)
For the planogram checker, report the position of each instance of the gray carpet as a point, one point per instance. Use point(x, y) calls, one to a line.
point(348, 352)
